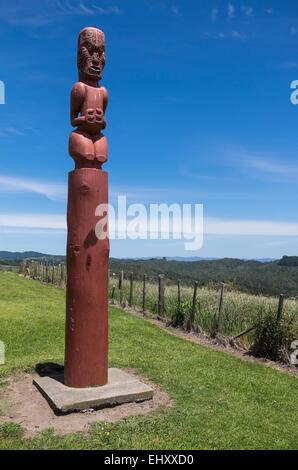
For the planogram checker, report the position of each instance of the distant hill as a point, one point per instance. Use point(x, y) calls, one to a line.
point(257, 277)
point(25, 254)
point(266, 277)
point(9, 258)
point(20, 255)
point(288, 261)
point(196, 258)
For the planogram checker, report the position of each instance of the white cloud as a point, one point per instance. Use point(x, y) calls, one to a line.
point(47, 11)
point(72, 7)
point(212, 226)
point(288, 65)
point(175, 11)
point(249, 11)
point(108, 10)
point(268, 10)
point(5, 131)
point(249, 227)
point(58, 191)
point(84, 9)
point(32, 231)
point(214, 13)
point(231, 10)
point(41, 221)
point(294, 30)
point(237, 35)
point(281, 171)
point(50, 190)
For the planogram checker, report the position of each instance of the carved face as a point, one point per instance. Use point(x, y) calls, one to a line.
point(91, 53)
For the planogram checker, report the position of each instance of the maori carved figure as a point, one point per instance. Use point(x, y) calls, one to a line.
point(87, 145)
point(86, 335)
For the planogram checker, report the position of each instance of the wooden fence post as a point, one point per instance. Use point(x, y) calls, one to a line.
point(190, 323)
point(30, 268)
point(161, 295)
point(121, 286)
point(35, 270)
point(278, 318)
point(27, 267)
point(113, 292)
point(21, 268)
point(219, 318)
point(280, 308)
point(144, 293)
point(53, 273)
point(62, 274)
point(131, 290)
point(47, 271)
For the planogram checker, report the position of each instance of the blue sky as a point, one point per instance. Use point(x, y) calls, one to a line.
point(199, 112)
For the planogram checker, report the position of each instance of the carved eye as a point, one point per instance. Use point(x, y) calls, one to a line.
point(89, 47)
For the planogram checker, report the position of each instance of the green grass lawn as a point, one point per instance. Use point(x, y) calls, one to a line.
point(219, 401)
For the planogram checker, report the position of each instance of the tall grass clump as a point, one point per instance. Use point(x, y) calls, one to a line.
point(273, 340)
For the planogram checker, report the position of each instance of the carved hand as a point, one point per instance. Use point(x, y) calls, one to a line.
point(78, 121)
point(95, 116)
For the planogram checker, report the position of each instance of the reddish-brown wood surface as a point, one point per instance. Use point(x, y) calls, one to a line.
point(86, 349)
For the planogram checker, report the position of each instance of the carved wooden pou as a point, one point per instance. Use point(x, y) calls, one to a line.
point(86, 349)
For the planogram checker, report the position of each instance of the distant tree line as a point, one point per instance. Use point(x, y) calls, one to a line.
point(265, 278)
point(268, 278)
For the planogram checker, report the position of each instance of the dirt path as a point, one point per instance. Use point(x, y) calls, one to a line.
point(22, 403)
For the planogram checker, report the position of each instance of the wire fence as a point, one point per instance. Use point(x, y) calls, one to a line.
point(222, 312)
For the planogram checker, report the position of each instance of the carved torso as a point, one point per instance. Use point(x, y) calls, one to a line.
point(92, 109)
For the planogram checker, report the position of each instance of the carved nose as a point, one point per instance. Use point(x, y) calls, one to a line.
point(95, 61)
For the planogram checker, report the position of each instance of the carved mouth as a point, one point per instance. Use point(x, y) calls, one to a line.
point(94, 68)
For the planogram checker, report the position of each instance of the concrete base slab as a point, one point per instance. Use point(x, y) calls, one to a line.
point(121, 388)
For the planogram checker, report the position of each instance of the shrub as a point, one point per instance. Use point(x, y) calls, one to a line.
point(181, 313)
point(272, 340)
